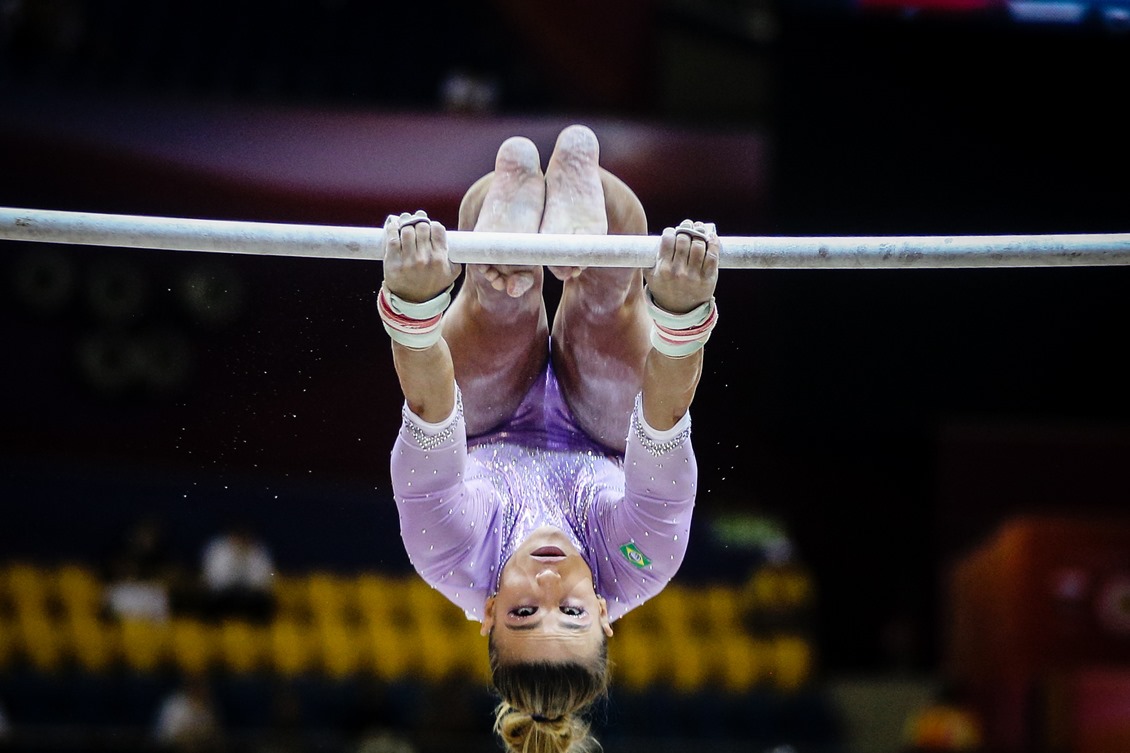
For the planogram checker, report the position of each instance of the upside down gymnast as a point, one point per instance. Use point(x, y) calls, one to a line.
point(544, 474)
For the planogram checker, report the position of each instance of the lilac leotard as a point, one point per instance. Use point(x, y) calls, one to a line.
point(542, 420)
point(465, 507)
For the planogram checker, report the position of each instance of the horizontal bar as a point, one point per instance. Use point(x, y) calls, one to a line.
point(738, 252)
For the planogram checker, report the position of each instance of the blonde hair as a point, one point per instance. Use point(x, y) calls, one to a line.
point(543, 702)
point(525, 733)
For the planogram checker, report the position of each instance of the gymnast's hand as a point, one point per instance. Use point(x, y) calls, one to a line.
point(686, 267)
point(416, 267)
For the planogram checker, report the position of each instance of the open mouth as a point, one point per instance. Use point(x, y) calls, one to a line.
point(548, 552)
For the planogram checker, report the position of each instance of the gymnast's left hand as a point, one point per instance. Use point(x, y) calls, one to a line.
point(686, 267)
point(416, 265)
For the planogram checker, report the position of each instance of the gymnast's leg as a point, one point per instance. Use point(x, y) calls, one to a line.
point(601, 328)
point(497, 326)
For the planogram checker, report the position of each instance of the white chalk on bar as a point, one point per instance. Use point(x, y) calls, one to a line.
point(738, 252)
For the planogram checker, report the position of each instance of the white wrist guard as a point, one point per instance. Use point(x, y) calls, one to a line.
point(414, 325)
point(680, 335)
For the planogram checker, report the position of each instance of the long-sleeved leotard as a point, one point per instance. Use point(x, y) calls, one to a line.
point(463, 512)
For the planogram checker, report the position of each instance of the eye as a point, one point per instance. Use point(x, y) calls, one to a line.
point(523, 611)
point(573, 611)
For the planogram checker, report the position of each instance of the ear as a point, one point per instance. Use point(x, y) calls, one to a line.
point(605, 623)
point(488, 618)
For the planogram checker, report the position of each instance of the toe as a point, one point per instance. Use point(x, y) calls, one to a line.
point(514, 197)
point(574, 201)
point(517, 154)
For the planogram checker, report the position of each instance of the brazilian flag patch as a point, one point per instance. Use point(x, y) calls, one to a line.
point(634, 555)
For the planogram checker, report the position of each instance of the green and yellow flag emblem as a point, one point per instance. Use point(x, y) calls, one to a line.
point(634, 555)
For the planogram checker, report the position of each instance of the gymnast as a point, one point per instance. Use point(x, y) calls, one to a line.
point(545, 484)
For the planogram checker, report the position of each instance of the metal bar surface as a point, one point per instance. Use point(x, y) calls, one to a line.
point(738, 252)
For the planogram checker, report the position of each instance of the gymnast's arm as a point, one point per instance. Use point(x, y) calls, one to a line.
point(643, 536)
point(684, 277)
point(429, 458)
point(416, 270)
point(427, 379)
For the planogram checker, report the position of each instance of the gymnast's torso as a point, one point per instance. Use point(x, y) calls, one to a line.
point(466, 506)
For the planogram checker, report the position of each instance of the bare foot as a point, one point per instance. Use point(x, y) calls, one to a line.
point(497, 327)
point(574, 193)
point(600, 328)
point(508, 200)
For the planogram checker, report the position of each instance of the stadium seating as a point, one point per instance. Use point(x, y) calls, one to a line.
point(386, 626)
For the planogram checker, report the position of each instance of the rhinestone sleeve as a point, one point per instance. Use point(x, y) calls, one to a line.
point(427, 440)
point(668, 441)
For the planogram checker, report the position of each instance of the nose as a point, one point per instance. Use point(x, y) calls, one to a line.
point(547, 575)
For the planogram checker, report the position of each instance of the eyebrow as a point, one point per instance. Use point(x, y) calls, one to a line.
point(534, 625)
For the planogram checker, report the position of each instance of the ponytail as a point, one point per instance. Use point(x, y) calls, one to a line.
point(543, 703)
point(533, 733)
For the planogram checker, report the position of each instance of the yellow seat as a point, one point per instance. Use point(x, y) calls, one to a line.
point(376, 595)
point(634, 658)
point(393, 650)
point(343, 648)
point(94, 645)
point(427, 603)
point(291, 597)
point(293, 646)
point(476, 659)
point(382, 600)
point(791, 661)
point(28, 587)
point(447, 651)
point(79, 590)
point(241, 646)
point(721, 605)
point(144, 644)
point(764, 590)
point(194, 645)
point(688, 669)
point(739, 662)
point(40, 640)
point(332, 599)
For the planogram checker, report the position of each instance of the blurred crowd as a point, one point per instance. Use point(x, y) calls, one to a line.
point(232, 581)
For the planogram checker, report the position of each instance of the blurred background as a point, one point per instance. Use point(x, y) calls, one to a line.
point(913, 530)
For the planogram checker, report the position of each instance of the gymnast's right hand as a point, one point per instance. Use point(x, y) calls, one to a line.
point(416, 267)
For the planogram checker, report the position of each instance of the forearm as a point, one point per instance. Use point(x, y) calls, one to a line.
point(427, 379)
point(669, 386)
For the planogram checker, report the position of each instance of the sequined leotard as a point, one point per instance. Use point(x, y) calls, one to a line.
point(464, 508)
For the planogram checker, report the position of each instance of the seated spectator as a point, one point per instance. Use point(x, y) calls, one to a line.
point(141, 574)
point(132, 598)
point(238, 572)
point(187, 719)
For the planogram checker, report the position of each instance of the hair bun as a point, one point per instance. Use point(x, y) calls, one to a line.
point(536, 733)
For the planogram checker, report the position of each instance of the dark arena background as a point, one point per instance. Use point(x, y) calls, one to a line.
point(913, 531)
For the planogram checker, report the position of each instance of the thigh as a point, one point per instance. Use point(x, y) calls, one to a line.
point(601, 331)
point(499, 343)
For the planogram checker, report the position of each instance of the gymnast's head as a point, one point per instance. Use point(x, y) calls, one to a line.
point(548, 632)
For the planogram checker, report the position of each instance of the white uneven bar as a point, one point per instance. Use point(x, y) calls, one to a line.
point(330, 242)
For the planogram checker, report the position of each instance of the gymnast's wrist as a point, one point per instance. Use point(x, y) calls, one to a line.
point(417, 326)
point(681, 335)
